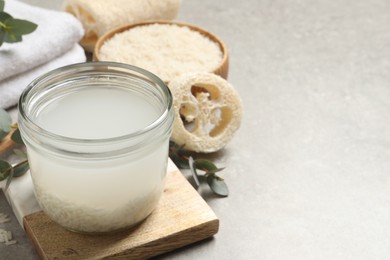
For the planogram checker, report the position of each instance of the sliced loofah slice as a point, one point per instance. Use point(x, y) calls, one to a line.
point(208, 111)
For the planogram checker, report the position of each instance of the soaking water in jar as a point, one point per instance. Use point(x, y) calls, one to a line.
point(97, 137)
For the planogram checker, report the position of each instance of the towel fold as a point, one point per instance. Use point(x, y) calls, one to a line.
point(56, 34)
point(101, 16)
point(12, 87)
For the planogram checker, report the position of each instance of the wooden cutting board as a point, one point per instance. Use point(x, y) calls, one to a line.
point(182, 217)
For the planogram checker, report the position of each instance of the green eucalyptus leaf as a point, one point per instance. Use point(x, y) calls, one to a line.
point(5, 170)
point(2, 35)
point(21, 168)
point(172, 144)
point(17, 171)
point(180, 162)
point(16, 137)
point(182, 157)
point(11, 37)
point(5, 123)
point(205, 165)
point(215, 170)
point(4, 17)
point(20, 27)
point(217, 185)
point(191, 163)
point(2, 3)
point(2, 134)
point(181, 150)
point(20, 153)
point(177, 155)
point(9, 179)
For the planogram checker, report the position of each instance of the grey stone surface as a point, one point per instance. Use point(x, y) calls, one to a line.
point(309, 170)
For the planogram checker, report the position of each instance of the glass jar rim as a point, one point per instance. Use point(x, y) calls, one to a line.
point(103, 64)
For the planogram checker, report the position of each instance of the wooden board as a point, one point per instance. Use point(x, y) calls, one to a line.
point(182, 217)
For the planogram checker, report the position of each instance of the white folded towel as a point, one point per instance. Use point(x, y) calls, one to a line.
point(57, 33)
point(12, 87)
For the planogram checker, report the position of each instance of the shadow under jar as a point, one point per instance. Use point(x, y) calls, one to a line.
point(97, 138)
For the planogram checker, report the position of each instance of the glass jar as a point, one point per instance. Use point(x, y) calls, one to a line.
point(97, 138)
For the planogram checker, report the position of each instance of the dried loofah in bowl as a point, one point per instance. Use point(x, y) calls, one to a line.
point(165, 48)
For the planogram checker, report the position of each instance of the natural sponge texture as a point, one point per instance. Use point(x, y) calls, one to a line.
point(101, 16)
point(208, 111)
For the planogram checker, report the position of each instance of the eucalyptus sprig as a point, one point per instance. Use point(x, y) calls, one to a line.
point(10, 135)
point(12, 29)
point(184, 159)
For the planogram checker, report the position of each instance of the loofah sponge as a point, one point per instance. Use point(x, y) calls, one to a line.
point(101, 16)
point(208, 111)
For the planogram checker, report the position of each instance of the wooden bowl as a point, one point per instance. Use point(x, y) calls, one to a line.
point(222, 69)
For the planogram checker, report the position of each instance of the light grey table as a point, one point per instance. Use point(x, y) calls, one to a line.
point(309, 170)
